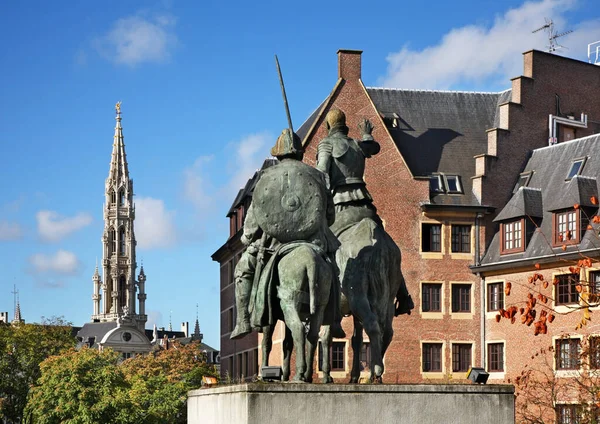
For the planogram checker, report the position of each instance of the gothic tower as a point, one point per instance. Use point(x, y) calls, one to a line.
point(115, 298)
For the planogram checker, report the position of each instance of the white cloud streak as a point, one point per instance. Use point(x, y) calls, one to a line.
point(154, 224)
point(245, 157)
point(10, 231)
point(197, 186)
point(135, 40)
point(53, 227)
point(476, 55)
point(62, 262)
point(250, 152)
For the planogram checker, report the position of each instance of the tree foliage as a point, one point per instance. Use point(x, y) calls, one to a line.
point(22, 348)
point(89, 386)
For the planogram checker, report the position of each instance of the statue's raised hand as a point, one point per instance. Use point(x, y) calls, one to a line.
point(365, 127)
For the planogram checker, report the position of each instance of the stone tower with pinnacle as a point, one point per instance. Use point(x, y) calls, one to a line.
point(115, 297)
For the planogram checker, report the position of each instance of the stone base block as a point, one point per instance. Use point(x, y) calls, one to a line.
point(276, 403)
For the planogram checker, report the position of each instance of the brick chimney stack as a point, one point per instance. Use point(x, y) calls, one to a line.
point(349, 63)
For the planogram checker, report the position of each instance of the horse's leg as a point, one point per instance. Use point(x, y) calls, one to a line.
point(362, 311)
point(292, 321)
point(326, 339)
point(312, 340)
point(267, 344)
point(357, 342)
point(288, 345)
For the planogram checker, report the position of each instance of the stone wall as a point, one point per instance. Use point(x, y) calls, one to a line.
point(352, 404)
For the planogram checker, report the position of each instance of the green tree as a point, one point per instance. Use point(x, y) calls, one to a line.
point(160, 382)
point(80, 387)
point(22, 348)
point(89, 386)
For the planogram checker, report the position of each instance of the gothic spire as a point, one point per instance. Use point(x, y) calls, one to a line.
point(18, 318)
point(197, 335)
point(118, 162)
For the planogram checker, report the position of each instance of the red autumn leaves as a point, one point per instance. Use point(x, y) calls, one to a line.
point(529, 313)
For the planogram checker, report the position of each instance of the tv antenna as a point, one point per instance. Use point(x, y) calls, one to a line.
point(552, 35)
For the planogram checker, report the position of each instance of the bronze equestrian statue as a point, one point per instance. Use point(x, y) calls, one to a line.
point(287, 272)
point(368, 259)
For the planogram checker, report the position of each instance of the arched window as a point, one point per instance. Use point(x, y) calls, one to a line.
point(122, 292)
point(121, 241)
point(113, 197)
point(112, 242)
point(121, 197)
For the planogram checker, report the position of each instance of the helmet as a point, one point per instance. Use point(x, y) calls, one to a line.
point(285, 146)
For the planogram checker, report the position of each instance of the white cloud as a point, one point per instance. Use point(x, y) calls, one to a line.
point(62, 262)
point(154, 227)
point(10, 231)
point(136, 40)
point(54, 227)
point(197, 188)
point(478, 55)
point(250, 152)
point(245, 157)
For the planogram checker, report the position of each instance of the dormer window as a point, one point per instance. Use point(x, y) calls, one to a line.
point(566, 227)
point(390, 119)
point(512, 236)
point(436, 185)
point(442, 183)
point(523, 181)
point(576, 168)
point(453, 184)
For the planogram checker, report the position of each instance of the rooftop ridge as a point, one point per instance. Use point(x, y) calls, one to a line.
point(439, 91)
point(562, 143)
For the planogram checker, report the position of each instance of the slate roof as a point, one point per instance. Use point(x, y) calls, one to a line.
point(526, 201)
point(549, 167)
point(441, 132)
point(96, 330)
point(579, 190)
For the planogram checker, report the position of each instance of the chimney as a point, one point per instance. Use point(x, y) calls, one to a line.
point(349, 64)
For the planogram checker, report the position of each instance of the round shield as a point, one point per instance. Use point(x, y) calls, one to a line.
point(290, 201)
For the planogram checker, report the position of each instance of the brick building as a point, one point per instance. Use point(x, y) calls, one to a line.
point(448, 164)
point(548, 222)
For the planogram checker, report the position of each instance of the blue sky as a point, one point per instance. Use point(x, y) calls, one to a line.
point(201, 108)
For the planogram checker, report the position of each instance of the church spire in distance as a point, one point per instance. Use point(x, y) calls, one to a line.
point(115, 293)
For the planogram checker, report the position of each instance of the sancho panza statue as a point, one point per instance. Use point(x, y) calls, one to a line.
point(368, 259)
point(290, 204)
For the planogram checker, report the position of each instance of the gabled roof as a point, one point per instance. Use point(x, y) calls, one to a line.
point(527, 201)
point(549, 167)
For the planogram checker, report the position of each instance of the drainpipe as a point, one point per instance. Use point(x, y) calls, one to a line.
point(482, 321)
point(477, 260)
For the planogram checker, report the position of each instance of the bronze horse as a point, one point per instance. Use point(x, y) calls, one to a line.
point(369, 262)
point(299, 298)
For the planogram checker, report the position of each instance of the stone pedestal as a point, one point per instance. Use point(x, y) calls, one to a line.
point(276, 403)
